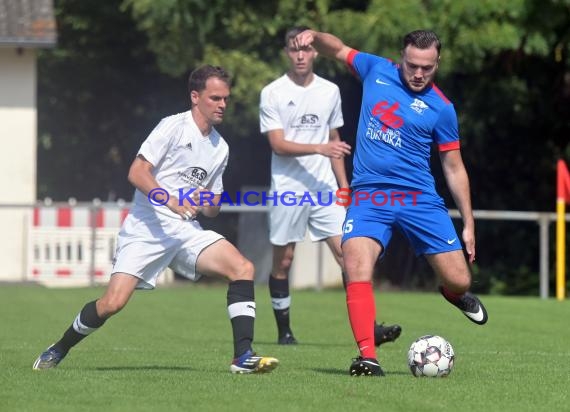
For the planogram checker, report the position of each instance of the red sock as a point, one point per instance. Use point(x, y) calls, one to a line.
point(362, 313)
point(452, 296)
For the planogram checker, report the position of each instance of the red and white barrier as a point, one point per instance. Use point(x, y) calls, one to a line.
point(79, 217)
point(73, 246)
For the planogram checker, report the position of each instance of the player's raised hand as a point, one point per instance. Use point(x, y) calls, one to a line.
point(304, 39)
point(335, 149)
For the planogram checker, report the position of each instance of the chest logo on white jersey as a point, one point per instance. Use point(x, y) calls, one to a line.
point(193, 176)
point(419, 106)
point(307, 122)
point(309, 119)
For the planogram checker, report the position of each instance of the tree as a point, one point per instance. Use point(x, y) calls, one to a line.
point(121, 65)
point(97, 99)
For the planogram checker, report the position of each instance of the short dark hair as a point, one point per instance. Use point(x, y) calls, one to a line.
point(422, 39)
point(293, 31)
point(197, 79)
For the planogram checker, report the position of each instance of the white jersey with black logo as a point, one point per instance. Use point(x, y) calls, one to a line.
point(183, 159)
point(306, 115)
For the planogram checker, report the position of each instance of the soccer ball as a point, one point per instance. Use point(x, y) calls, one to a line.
point(432, 356)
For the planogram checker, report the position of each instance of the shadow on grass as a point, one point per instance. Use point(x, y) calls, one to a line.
point(303, 343)
point(142, 368)
point(336, 371)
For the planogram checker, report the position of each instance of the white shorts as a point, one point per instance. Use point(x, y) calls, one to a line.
point(288, 224)
point(148, 243)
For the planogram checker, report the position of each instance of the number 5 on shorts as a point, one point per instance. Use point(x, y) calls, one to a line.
point(348, 226)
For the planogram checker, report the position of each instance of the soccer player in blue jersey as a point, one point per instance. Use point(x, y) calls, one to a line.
point(402, 114)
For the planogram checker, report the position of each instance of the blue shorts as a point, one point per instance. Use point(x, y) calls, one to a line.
point(422, 218)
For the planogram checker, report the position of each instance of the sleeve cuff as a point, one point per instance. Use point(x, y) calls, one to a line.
point(445, 147)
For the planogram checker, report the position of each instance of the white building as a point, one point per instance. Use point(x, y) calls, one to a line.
point(25, 26)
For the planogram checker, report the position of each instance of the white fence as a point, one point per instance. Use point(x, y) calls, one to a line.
point(71, 256)
point(74, 245)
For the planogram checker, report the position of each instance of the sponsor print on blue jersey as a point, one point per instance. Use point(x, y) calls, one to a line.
point(397, 127)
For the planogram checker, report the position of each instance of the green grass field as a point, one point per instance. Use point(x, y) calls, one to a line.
point(170, 350)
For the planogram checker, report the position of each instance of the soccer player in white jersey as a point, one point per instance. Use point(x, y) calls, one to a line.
point(301, 112)
point(184, 152)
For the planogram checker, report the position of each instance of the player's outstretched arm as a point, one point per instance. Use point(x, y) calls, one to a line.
point(325, 43)
point(458, 184)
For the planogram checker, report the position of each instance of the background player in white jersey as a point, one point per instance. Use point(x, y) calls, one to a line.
point(182, 153)
point(301, 112)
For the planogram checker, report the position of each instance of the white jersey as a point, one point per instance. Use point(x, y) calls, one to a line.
point(306, 115)
point(182, 159)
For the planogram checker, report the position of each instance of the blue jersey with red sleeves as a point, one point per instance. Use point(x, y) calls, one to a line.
point(397, 127)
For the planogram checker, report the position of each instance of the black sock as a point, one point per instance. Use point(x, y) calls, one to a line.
point(86, 322)
point(241, 309)
point(281, 302)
